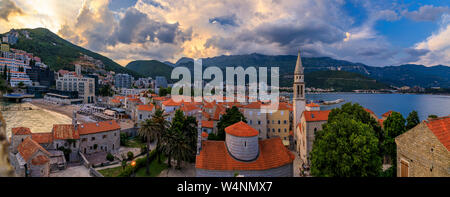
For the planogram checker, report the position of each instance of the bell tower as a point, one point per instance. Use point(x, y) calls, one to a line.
point(299, 92)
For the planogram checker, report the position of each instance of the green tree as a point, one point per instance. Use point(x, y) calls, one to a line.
point(106, 90)
point(412, 120)
point(231, 116)
point(148, 130)
point(161, 125)
point(345, 148)
point(394, 126)
point(432, 116)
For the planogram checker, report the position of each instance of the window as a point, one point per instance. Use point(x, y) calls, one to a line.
point(93, 138)
point(285, 122)
point(279, 122)
point(259, 122)
point(104, 136)
point(282, 112)
point(404, 168)
point(279, 130)
point(245, 143)
point(84, 139)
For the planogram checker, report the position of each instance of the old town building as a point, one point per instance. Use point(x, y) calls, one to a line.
point(243, 154)
point(424, 151)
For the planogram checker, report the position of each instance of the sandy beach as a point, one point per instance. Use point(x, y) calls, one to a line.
point(66, 110)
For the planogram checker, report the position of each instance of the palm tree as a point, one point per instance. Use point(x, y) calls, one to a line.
point(161, 124)
point(149, 132)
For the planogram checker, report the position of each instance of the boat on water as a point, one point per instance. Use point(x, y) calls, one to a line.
point(333, 102)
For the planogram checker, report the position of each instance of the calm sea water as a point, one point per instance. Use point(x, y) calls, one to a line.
point(380, 103)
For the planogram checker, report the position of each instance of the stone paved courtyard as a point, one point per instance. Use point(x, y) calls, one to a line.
point(73, 171)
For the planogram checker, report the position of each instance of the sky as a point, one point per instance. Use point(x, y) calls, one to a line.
point(376, 33)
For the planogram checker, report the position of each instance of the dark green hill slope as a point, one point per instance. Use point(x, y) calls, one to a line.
point(342, 81)
point(59, 53)
point(150, 68)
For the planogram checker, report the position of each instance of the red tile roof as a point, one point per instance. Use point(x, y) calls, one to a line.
point(97, 127)
point(272, 154)
point(148, 107)
point(115, 101)
point(207, 124)
point(64, 132)
point(253, 105)
point(387, 114)
point(220, 110)
point(441, 129)
point(311, 116)
point(42, 138)
point(28, 147)
point(189, 107)
point(241, 129)
point(204, 134)
point(21, 131)
point(160, 98)
point(312, 105)
point(40, 159)
point(171, 102)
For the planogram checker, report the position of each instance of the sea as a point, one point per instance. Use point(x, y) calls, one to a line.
point(424, 104)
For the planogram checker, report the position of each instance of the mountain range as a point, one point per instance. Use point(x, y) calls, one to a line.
point(61, 54)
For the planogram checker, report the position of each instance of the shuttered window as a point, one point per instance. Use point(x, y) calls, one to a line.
point(404, 168)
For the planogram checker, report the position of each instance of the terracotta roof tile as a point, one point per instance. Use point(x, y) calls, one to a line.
point(40, 159)
point(253, 105)
point(441, 129)
point(387, 114)
point(171, 102)
point(21, 131)
point(241, 129)
point(97, 127)
point(42, 138)
point(272, 154)
point(148, 107)
point(28, 147)
point(312, 105)
point(311, 116)
point(204, 134)
point(207, 124)
point(64, 132)
point(189, 107)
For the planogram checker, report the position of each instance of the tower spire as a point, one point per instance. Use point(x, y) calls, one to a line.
point(298, 65)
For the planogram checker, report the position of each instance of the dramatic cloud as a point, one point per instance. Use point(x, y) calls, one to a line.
point(170, 29)
point(9, 8)
point(427, 13)
point(437, 44)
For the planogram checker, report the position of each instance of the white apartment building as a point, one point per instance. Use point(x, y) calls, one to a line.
point(84, 85)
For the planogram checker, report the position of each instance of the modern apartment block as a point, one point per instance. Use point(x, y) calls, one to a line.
point(123, 80)
point(83, 85)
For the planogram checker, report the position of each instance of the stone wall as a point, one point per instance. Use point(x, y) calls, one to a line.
point(243, 148)
point(424, 153)
point(283, 171)
point(106, 141)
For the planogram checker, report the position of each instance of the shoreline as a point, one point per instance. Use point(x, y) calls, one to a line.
point(66, 110)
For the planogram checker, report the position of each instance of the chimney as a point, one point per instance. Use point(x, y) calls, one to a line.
point(199, 132)
point(74, 120)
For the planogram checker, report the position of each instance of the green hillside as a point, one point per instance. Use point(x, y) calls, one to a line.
point(342, 81)
point(59, 53)
point(150, 68)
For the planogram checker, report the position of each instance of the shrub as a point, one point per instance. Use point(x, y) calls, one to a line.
point(110, 157)
point(123, 139)
point(130, 155)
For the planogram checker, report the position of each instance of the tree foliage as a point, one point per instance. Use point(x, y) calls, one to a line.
point(231, 116)
point(412, 120)
point(345, 148)
point(394, 126)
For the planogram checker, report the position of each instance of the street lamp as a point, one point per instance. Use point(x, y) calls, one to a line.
point(133, 164)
